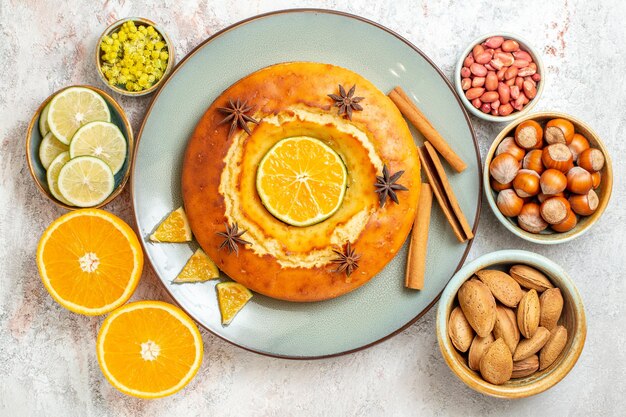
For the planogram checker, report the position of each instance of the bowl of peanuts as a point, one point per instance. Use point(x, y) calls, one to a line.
point(499, 77)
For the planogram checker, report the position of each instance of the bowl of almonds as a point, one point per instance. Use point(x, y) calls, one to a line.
point(511, 324)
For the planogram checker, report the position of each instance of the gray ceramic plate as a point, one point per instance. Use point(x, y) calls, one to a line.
point(369, 314)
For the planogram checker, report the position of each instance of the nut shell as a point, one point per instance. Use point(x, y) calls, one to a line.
point(526, 183)
point(566, 225)
point(529, 347)
point(529, 134)
point(530, 278)
point(504, 168)
point(579, 180)
point(459, 330)
point(478, 305)
point(591, 159)
point(530, 218)
point(578, 145)
point(525, 367)
point(528, 313)
point(552, 182)
point(533, 161)
point(509, 146)
point(504, 288)
point(506, 327)
point(551, 305)
point(553, 348)
point(509, 203)
point(559, 131)
point(584, 204)
point(496, 365)
point(477, 350)
point(557, 156)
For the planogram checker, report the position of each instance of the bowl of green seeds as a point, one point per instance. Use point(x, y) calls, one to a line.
point(133, 56)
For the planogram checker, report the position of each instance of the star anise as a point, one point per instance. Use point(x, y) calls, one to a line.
point(237, 116)
point(386, 186)
point(346, 102)
point(232, 238)
point(347, 261)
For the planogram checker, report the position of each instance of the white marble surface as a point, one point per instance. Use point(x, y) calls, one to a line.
point(48, 364)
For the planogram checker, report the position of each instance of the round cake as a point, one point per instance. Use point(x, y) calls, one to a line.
point(301, 181)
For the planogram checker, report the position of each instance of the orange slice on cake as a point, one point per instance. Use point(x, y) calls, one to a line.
point(301, 181)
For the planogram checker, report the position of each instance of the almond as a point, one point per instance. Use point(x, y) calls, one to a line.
point(496, 365)
point(502, 286)
point(525, 367)
point(551, 305)
point(478, 305)
point(459, 330)
point(553, 347)
point(477, 350)
point(529, 347)
point(506, 327)
point(530, 278)
point(528, 314)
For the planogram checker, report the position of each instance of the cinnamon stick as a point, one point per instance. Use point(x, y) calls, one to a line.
point(416, 261)
point(417, 118)
point(454, 204)
point(438, 191)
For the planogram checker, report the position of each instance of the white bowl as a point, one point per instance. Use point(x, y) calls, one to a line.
point(516, 114)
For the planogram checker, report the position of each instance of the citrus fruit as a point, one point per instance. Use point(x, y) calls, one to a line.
point(231, 297)
point(52, 175)
point(199, 268)
point(149, 349)
point(103, 140)
point(86, 181)
point(49, 149)
point(90, 261)
point(74, 107)
point(174, 229)
point(43, 121)
point(301, 181)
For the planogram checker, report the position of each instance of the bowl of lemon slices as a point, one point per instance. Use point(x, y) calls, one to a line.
point(77, 147)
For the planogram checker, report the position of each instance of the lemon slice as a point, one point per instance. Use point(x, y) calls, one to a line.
point(86, 181)
point(73, 108)
point(103, 140)
point(53, 176)
point(231, 297)
point(301, 181)
point(49, 149)
point(174, 229)
point(43, 121)
point(199, 268)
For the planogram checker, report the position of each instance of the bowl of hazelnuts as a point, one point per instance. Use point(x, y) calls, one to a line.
point(548, 177)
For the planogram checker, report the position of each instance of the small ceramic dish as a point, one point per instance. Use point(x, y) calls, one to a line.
point(549, 237)
point(33, 140)
point(114, 27)
point(525, 46)
point(572, 317)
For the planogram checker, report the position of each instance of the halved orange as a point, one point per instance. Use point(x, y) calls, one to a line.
point(90, 261)
point(149, 349)
point(301, 181)
point(174, 229)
